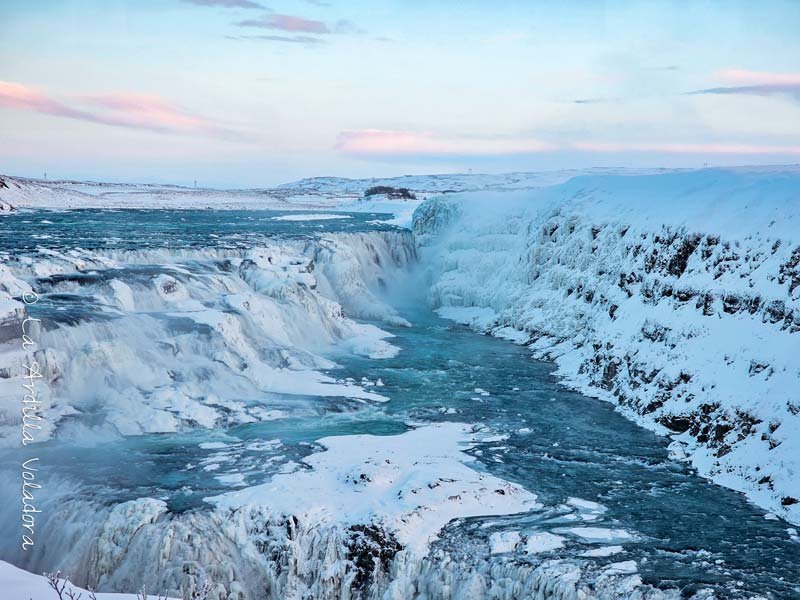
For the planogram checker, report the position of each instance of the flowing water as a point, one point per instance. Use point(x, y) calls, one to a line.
point(688, 534)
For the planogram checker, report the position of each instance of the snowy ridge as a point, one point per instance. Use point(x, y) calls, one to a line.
point(20, 192)
point(675, 296)
point(449, 183)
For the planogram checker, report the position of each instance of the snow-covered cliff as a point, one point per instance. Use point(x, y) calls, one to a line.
point(675, 296)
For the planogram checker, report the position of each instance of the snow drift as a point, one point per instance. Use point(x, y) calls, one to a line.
point(675, 296)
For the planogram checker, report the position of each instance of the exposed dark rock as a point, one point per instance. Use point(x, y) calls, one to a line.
point(676, 423)
point(775, 311)
point(677, 265)
point(790, 271)
point(371, 549)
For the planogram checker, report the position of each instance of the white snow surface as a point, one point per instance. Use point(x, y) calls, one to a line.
point(543, 541)
point(412, 484)
point(311, 217)
point(598, 535)
point(501, 542)
point(602, 552)
point(675, 296)
point(28, 586)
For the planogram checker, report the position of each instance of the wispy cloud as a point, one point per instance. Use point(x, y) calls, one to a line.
point(226, 3)
point(377, 143)
point(744, 77)
point(134, 111)
point(21, 97)
point(754, 83)
point(288, 39)
point(345, 26)
point(288, 23)
point(684, 148)
point(300, 25)
point(387, 142)
point(594, 100)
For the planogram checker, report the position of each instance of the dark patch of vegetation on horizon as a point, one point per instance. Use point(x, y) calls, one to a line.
point(392, 192)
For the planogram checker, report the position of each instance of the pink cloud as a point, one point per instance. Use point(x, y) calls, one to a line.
point(755, 83)
point(378, 142)
point(286, 23)
point(149, 112)
point(135, 111)
point(747, 78)
point(226, 3)
point(384, 142)
point(16, 95)
point(686, 148)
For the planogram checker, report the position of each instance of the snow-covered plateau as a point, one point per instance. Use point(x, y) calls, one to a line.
point(262, 400)
point(331, 193)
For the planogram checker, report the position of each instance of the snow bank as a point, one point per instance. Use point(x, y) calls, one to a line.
point(675, 296)
point(411, 484)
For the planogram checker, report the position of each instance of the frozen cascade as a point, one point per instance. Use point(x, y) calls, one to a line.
point(279, 557)
point(159, 341)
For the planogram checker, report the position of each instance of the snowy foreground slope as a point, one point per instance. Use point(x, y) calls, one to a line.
point(675, 296)
point(27, 586)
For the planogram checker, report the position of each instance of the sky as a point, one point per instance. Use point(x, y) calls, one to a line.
point(245, 93)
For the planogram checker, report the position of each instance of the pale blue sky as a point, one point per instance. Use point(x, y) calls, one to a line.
point(251, 93)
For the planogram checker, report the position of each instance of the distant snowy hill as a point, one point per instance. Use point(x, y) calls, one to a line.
point(456, 182)
point(17, 192)
point(333, 193)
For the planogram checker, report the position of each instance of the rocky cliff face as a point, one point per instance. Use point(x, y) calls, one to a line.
point(677, 297)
